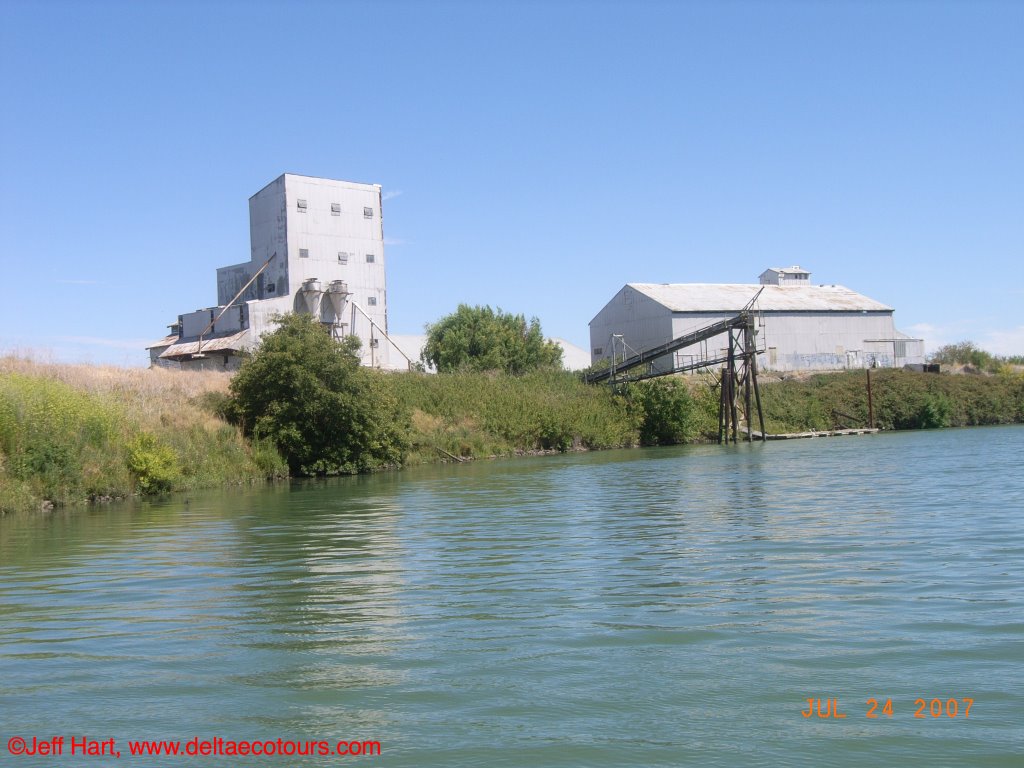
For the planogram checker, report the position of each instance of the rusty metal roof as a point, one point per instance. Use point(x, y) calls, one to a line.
point(234, 342)
point(165, 341)
point(731, 297)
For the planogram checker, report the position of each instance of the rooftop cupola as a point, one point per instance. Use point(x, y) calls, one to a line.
point(785, 276)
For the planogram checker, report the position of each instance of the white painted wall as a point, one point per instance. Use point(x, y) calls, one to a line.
point(268, 234)
point(796, 341)
point(339, 226)
point(642, 321)
point(822, 340)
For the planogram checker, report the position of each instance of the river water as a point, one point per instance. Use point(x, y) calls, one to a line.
point(661, 607)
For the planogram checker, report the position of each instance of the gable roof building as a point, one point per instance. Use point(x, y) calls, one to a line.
point(800, 326)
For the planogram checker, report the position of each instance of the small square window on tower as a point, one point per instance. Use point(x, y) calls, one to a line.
point(300, 206)
point(370, 258)
point(342, 257)
point(367, 213)
point(335, 209)
point(371, 301)
point(303, 253)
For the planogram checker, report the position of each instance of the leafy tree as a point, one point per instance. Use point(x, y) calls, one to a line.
point(965, 353)
point(480, 339)
point(305, 391)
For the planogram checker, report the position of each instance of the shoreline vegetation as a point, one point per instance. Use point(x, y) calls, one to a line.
point(74, 434)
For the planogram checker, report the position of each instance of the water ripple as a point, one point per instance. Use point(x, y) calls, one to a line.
point(663, 607)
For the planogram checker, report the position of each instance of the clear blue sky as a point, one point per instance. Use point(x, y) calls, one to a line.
point(534, 156)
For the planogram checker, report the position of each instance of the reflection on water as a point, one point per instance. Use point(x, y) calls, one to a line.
point(659, 607)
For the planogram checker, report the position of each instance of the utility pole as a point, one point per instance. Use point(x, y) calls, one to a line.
point(871, 409)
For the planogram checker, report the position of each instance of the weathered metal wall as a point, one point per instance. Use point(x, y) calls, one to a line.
point(231, 279)
point(642, 322)
point(341, 232)
point(791, 340)
point(268, 234)
point(215, 361)
point(231, 321)
point(193, 323)
point(815, 341)
point(322, 230)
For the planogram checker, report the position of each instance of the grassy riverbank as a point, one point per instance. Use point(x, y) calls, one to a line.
point(900, 399)
point(484, 414)
point(70, 434)
point(74, 433)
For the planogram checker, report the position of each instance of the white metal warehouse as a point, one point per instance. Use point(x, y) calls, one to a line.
point(801, 327)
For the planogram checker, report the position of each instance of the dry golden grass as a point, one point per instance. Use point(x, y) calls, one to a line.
point(110, 378)
point(54, 455)
point(159, 393)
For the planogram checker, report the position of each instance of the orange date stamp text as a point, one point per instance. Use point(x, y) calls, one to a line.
point(924, 708)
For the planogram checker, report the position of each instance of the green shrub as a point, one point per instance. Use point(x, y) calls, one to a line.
point(669, 414)
point(304, 391)
point(154, 466)
point(53, 437)
point(220, 404)
point(934, 412)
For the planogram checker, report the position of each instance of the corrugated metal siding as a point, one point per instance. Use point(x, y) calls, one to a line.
point(642, 321)
point(820, 340)
point(797, 338)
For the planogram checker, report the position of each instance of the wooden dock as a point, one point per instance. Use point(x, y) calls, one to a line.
point(798, 435)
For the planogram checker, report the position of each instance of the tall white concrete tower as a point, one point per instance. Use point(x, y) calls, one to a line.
point(320, 246)
point(326, 238)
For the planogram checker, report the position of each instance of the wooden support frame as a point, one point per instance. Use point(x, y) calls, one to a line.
point(740, 369)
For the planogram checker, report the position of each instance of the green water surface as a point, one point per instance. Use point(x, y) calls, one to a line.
point(661, 607)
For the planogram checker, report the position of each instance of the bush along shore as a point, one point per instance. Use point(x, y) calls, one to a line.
point(70, 434)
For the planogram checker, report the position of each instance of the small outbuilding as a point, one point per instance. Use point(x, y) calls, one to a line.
point(801, 327)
